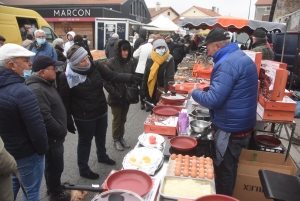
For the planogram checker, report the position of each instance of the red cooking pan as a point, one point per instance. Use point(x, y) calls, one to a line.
point(267, 141)
point(172, 98)
point(164, 110)
point(132, 180)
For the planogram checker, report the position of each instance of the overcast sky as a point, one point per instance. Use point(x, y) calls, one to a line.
point(237, 8)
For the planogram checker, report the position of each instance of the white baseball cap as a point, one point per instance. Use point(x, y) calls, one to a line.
point(10, 50)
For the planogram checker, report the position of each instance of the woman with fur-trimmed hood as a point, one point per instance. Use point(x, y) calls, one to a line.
point(121, 63)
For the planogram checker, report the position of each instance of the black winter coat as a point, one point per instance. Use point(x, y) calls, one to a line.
point(22, 128)
point(60, 55)
point(165, 74)
point(116, 92)
point(109, 49)
point(52, 109)
point(87, 101)
point(141, 39)
point(178, 52)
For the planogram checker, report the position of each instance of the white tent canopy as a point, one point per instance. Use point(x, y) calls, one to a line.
point(161, 23)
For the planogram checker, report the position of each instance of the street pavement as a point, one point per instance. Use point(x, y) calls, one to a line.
point(134, 127)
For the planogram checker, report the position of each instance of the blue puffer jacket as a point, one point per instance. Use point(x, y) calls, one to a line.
point(22, 128)
point(232, 96)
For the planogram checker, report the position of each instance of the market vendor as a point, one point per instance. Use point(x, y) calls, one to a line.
point(158, 72)
point(231, 99)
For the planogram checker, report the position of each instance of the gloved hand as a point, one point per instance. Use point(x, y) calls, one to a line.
point(135, 79)
point(70, 124)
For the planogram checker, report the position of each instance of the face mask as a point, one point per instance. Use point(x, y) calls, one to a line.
point(160, 51)
point(26, 73)
point(40, 41)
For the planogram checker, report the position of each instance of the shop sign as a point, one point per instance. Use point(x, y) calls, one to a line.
point(72, 12)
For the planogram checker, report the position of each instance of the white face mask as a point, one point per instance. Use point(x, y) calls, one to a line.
point(160, 51)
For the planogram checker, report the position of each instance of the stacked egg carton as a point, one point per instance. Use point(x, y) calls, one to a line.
point(193, 167)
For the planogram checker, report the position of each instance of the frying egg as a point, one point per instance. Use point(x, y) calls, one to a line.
point(201, 175)
point(194, 174)
point(210, 175)
point(185, 173)
point(173, 156)
point(146, 159)
point(132, 159)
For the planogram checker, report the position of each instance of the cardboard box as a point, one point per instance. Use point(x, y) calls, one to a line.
point(272, 82)
point(248, 185)
point(256, 57)
point(277, 115)
point(274, 64)
point(287, 104)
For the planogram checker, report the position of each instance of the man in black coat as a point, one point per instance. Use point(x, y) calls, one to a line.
point(55, 119)
point(141, 39)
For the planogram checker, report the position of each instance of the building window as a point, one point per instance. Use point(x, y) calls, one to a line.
point(268, 8)
point(265, 18)
point(168, 13)
point(131, 9)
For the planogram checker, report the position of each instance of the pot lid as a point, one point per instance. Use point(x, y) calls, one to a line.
point(115, 195)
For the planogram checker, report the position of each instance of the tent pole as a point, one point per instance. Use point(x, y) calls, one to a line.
point(283, 46)
point(249, 10)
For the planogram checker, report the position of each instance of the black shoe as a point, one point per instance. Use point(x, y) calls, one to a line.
point(142, 106)
point(63, 196)
point(91, 175)
point(148, 109)
point(108, 161)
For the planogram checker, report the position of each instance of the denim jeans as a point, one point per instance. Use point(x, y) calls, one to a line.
point(86, 131)
point(227, 170)
point(54, 167)
point(31, 170)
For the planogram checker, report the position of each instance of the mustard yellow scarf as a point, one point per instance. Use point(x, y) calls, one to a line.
point(157, 61)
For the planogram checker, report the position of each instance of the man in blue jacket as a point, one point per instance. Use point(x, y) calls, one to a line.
point(22, 128)
point(231, 99)
point(41, 46)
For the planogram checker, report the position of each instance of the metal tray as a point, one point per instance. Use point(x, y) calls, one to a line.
point(203, 181)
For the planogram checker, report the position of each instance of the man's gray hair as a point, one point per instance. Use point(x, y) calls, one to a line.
point(58, 41)
point(115, 35)
point(3, 63)
point(39, 31)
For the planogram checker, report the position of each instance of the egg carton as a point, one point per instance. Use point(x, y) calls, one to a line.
point(172, 168)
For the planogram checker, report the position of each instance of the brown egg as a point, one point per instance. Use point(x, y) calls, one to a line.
point(187, 157)
point(208, 159)
point(194, 169)
point(194, 157)
point(185, 173)
point(173, 156)
point(209, 171)
point(210, 175)
point(178, 162)
point(177, 172)
point(194, 174)
point(178, 165)
point(201, 165)
point(201, 170)
point(201, 158)
point(187, 162)
point(194, 161)
point(208, 162)
point(179, 156)
point(201, 175)
point(186, 166)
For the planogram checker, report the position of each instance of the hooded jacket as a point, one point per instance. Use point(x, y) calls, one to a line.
point(69, 43)
point(22, 128)
point(52, 109)
point(120, 65)
point(232, 96)
point(142, 54)
point(87, 101)
point(109, 50)
point(141, 39)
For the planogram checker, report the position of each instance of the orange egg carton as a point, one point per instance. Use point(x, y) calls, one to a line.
point(192, 167)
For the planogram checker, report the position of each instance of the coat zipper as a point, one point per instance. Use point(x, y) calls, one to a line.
point(93, 91)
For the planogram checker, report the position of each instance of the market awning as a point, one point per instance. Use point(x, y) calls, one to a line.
point(230, 23)
point(162, 23)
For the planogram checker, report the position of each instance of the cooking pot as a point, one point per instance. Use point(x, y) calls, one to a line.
point(199, 114)
point(164, 110)
point(117, 195)
point(171, 99)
